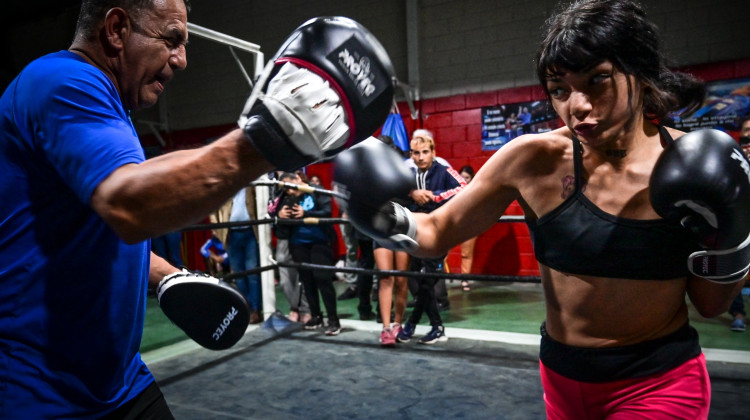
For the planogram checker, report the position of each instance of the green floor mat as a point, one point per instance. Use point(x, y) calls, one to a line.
point(488, 306)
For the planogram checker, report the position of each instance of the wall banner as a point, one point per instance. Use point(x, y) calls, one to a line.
point(727, 103)
point(503, 123)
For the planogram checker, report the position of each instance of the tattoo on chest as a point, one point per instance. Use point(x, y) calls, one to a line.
point(569, 186)
point(618, 153)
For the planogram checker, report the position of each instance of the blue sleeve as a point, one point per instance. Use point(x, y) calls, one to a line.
point(204, 248)
point(79, 124)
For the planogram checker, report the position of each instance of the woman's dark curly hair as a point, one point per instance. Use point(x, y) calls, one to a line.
point(589, 32)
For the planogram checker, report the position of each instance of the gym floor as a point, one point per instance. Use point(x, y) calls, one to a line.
point(487, 369)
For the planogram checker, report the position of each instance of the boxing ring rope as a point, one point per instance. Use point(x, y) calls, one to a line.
point(304, 188)
point(264, 240)
point(387, 273)
point(303, 221)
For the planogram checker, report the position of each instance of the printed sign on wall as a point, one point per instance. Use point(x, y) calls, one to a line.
point(503, 123)
point(727, 103)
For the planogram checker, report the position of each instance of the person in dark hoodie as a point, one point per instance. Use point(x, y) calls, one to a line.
point(436, 184)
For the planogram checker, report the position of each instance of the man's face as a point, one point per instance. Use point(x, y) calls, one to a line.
point(422, 155)
point(152, 52)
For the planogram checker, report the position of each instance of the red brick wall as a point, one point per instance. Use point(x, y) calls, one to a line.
point(505, 249)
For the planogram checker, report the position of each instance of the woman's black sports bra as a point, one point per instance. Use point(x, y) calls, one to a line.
point(579, 238)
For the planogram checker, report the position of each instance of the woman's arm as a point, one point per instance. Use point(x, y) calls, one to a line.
point(478, 206)
point(712, 299)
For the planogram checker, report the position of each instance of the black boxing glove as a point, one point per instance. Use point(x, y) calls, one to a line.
point(371, 175)
point(208, 310)
point(328, 87)
point(704, 178)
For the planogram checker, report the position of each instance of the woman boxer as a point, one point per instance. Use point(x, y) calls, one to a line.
point(616, 342)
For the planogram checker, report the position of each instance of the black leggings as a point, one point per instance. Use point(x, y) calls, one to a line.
point(314, 281)
point(425, 299)
point(364, 281)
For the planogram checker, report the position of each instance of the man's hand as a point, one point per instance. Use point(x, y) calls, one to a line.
point(422, 197)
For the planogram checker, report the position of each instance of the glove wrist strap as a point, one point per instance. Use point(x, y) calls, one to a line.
point(722, 266)
point(406, 227)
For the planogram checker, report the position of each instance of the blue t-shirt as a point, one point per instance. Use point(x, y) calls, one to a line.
point(72, 293)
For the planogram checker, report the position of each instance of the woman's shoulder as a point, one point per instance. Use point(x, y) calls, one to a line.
point(535, 151)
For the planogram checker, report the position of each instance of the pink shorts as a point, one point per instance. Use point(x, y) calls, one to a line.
point(681, 393)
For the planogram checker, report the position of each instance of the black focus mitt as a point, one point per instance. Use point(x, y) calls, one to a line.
point(208, 310)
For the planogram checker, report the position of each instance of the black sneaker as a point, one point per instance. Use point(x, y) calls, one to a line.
point(738, 325)
point(407, 331)
point(334, 327)
point(349, 293)
point(437, 333)
point(314, 323)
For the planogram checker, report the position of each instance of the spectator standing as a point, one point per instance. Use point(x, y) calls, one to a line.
point(241, 244)
point(312, 244)
point(299, 310)
point(436, 184)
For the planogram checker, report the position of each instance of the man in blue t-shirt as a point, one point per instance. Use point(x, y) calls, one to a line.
point(80, 202)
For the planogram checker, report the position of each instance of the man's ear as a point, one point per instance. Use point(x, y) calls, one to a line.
point(117, 28)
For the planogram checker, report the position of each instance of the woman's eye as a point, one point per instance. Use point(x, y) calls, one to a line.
point(600, 78)
point(556, 92)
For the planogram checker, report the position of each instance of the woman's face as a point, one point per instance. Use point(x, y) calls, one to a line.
point(467, 176)
point(595, 104)
point(292, 191)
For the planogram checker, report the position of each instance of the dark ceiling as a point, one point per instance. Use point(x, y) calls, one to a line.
point(19, 11)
